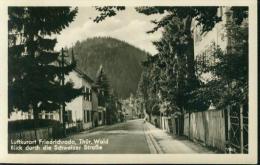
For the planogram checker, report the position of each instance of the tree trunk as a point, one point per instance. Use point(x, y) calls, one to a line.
point(186, 57)
point(189, 50)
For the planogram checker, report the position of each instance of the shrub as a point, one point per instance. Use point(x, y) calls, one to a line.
point(21, 125)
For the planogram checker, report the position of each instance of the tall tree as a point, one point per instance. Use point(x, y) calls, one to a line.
point(102, 85)
point(148, 86)
point(34, 71)
point(179, 81)
point(178, 42)
point(111, 109)
point(107, 97)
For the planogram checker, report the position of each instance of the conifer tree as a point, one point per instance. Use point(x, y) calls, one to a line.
point(102, 85)
point(34, 71)
point(107, 97)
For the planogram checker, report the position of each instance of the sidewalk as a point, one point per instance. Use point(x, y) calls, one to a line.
point(166, 143)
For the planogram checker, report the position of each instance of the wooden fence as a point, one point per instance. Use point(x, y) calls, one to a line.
point(207, 127)
point(156, 121)
point(168, 124)
point(225, 130)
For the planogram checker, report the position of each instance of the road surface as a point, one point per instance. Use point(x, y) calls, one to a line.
point(122, 138)
point(131, 137)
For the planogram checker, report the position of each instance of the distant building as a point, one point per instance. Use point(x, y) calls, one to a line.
point(20, 115)
point(126, 109)
point(129, 107)
point(49, 115)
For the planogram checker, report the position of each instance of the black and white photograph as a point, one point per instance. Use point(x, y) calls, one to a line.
point(120, 79)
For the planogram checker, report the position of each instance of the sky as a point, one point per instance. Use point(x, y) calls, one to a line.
point(127, 25)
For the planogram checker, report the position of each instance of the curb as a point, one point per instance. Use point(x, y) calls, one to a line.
point(152, 143)
point(149, 142)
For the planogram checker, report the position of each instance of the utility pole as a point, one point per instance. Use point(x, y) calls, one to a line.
point(241, 130)
point(62, 83)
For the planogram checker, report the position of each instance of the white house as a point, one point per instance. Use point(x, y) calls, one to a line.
point(81, 108)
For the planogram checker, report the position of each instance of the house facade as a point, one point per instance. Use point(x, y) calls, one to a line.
point(80, 109)
point(204, 43)
point(87, 108)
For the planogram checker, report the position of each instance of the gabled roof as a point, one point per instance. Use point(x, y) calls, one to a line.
point(80, 73)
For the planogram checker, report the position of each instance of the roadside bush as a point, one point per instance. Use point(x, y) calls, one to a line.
point(22, 125)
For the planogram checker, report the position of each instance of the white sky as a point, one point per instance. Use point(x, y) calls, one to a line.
point(127, 25)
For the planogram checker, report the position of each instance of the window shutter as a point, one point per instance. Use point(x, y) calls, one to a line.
point(90, 95)
point(84, 117)
point(88, 116)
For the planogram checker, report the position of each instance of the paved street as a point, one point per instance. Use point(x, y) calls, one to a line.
point(131, 137)
point(128, 138)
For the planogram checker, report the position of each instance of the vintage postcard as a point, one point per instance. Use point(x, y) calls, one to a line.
point(128, 82)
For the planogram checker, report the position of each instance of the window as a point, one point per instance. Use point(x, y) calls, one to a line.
point(86, 91)
point(99, 115)
point(87, 116)
point(69, 113)
point(87, 94)
point(90, 95)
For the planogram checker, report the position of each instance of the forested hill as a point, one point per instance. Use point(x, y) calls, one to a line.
point(121, 62)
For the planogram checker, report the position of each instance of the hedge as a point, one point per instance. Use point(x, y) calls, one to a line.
point(21, 125)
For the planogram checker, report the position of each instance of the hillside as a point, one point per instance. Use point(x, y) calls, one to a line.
point(121, 62)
